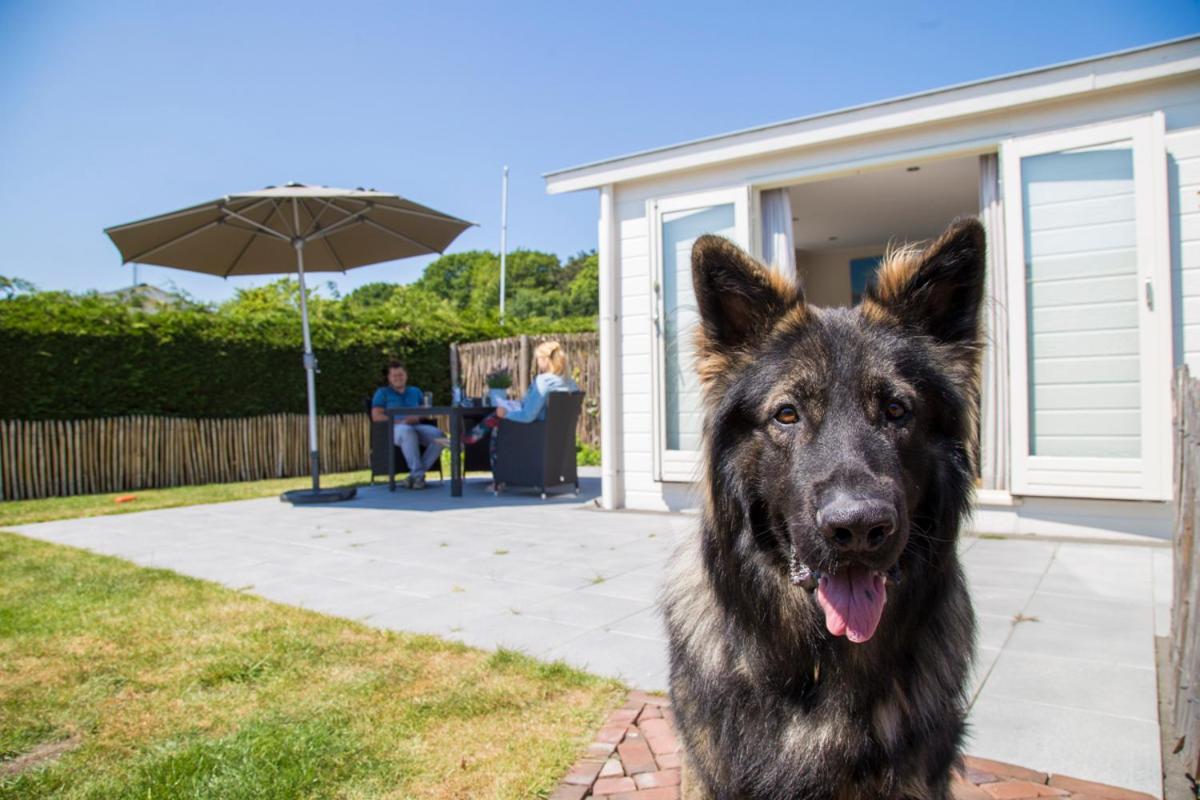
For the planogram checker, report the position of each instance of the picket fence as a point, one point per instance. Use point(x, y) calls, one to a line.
point(57, 458)
point(1183, 667)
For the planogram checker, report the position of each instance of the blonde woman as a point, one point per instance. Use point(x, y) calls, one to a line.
point(552, 377)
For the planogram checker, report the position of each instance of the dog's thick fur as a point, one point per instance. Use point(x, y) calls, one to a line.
point(808, 408)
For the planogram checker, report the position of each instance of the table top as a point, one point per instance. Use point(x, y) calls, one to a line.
point(440, 411)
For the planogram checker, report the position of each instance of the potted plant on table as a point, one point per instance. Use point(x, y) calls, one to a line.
point(499, 381)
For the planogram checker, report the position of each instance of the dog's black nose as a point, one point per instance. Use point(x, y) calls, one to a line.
point(855, 525)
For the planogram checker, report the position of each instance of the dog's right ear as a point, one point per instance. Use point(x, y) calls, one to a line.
point(740, 299)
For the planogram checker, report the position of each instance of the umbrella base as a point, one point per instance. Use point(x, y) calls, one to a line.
point(299, 497)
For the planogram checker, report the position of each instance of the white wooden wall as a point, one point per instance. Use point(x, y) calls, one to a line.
point(1183, 181)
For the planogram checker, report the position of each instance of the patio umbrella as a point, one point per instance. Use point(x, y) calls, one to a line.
point(284, 229)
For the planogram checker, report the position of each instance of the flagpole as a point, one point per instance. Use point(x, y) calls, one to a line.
point(503, 236)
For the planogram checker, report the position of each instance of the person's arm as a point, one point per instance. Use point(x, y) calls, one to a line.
point(379, 407)
point(531, 406)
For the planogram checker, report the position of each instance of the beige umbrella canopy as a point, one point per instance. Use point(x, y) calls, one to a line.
point(254, 233)
point(284, 229)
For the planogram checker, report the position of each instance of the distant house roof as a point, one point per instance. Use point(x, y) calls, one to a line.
point(1098, 73)
point(147, 297)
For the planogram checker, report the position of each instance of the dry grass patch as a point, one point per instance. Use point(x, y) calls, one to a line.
point(175, 688)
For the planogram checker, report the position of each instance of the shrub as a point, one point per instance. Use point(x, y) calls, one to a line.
point(67, 356)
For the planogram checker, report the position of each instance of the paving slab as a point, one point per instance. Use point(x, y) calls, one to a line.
point(1063, 679)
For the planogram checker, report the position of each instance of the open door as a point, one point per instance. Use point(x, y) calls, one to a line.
point(1089, 297)
point(676, 222)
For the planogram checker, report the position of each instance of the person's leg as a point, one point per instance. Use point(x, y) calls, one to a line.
point(431, 439)
point(407, 440)
point(485, 426)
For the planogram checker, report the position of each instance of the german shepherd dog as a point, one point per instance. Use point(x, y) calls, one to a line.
point(820, 629)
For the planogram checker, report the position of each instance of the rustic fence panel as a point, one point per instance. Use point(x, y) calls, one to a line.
point(1184, 669)
point(53, 458)
point(477, 359)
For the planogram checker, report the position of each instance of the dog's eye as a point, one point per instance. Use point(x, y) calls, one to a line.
point(895, 411)
point(787, 415)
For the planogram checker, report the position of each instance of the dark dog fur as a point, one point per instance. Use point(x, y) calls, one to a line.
point(838, 443)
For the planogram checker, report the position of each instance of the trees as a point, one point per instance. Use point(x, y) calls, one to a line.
point(537, 284)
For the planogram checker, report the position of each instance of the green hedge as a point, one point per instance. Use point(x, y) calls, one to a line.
point(64, 357)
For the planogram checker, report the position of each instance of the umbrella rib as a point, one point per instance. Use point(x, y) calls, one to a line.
point(426, 214)
point(327, 205)
point(336, 257)
point(345, 222)
point(259, 225)
point(390, 232)
point(287, 225)
point(237, 259)
point(169, 242)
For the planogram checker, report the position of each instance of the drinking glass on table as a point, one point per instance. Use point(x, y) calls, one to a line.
point(427, 399)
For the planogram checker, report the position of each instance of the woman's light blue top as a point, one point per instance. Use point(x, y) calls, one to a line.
point(533, 407)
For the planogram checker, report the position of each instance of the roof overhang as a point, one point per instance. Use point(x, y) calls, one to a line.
point(1053, 83)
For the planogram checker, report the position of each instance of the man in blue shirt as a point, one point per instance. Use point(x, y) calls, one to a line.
point(421, 444)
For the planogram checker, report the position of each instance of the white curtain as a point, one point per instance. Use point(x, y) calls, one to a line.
point(994, 446)
point(779, 250)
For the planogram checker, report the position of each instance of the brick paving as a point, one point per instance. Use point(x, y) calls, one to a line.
point(635, 756)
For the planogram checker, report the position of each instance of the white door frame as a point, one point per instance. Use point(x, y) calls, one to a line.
point(680, 465)
point(1147, 477)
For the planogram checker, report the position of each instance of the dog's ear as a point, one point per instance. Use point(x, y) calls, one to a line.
point(739, 298)
point(937, 291)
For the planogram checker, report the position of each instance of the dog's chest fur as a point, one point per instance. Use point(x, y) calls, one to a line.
point(769, 714)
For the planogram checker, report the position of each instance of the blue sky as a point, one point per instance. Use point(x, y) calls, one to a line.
point(120, 110)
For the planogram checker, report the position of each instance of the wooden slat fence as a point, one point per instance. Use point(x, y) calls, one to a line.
point(1183, 677)
point(477, 359)
point(49, 458)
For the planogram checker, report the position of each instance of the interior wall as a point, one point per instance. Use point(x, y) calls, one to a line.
point(825, 274)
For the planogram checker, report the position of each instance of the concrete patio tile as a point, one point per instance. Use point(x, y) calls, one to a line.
point(999, 601)
point(248, 577)
point(1130, 648)
point(985, 659)
point(1084, 744)
point(993, 631)
point(317, 559)
point(1129, 692)
point(590, 611)
point(981, 574)
point(562, 576)
point(531, 635)
point(1162, 570)
point(409, 578)
point(637, 661)
point(634, 587)
point(1086, 558)
point(441, 616)
point(504, 595)
point(1012, 554)
point(331, 596)
point(646, 624)
point(1110, 615)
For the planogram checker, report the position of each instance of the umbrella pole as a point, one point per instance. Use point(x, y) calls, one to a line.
point(310, 368)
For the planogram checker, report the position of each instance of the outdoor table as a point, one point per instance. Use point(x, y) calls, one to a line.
point(457, 415)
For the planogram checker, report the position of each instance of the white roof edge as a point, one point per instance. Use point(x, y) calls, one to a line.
point(1150, 62)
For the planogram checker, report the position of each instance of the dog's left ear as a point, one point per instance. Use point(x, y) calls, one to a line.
point(937, 291)
point(739, 298)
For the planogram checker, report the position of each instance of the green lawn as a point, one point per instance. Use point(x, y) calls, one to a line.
point(140, 683)
point(19, 512)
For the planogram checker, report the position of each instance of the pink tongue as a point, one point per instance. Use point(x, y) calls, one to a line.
point(853, 602)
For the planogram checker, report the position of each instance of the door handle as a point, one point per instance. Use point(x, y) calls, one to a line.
point(1149, 294)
